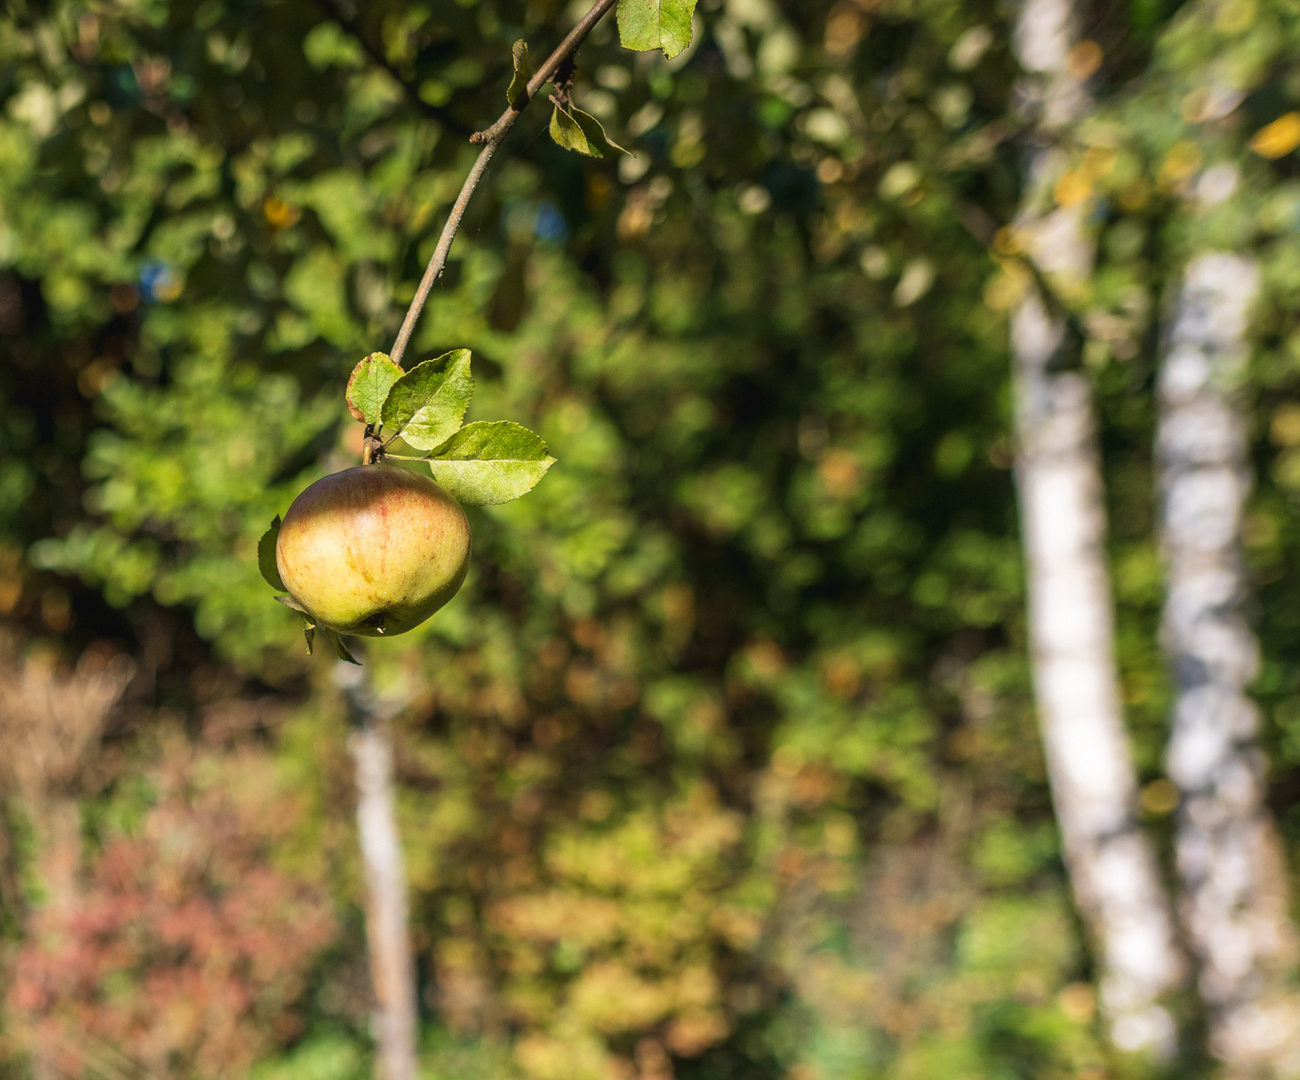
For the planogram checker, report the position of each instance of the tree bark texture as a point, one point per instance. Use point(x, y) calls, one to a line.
point(1113, 870)
point(392, 969)
point(1235, 900)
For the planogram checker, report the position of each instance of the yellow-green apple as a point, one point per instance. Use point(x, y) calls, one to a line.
point(373, 550)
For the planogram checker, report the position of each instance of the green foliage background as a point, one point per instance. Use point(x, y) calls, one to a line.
point(723, 763)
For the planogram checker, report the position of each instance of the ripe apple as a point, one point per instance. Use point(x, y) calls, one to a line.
point(373, 550)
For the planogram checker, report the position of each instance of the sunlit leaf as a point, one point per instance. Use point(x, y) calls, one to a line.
point(368, 386)
point(655, 24)
point(427, 404)
point(488, 463)
point(1279, 138)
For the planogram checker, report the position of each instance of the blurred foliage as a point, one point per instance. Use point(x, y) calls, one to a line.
point(722, 764)
point(190, 947)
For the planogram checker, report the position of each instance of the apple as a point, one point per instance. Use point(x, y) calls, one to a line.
point(373, 550)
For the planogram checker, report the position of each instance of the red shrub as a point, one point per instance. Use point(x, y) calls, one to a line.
point(187, 948)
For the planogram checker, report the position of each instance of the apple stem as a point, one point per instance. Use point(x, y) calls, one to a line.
point(372, 447)
point(491, 138)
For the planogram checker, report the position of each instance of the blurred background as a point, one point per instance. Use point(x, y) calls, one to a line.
point(725, 762)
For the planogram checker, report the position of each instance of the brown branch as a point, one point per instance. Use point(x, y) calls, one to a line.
point(490, 140)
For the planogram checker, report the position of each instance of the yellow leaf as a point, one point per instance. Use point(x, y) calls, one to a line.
point(1007, 241)
point(1135, 195)
point(1007, 289)
point(279, 214)
point(1236, 16)
point(1278, 138)
point(1084, 59)
point(1184, 158)
point(1072, 188)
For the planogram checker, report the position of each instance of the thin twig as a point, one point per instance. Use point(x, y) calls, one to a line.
point(491, 139)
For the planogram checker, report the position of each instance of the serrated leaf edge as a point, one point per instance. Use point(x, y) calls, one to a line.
point(347, 391)
point(395, 431)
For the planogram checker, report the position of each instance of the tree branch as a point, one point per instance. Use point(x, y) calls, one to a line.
point(490, 139)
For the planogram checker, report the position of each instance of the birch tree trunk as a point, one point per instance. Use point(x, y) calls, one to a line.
point(392, 969)
point(1235, 897)
point(1113, 871)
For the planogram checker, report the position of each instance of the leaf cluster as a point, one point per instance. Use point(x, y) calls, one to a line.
point(484, 463)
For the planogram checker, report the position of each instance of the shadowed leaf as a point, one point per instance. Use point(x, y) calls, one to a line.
point(266, 556)
point(581, 132)
point(340, 649)
point(523, 71)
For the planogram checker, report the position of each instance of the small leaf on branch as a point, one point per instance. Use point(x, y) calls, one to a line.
point(655, 24)
point(576, 130)
point(291, 603)
point(368, 386)
point(266, 556)
point(595, 133)
point(309, 632)
point(426, 405)
point(523, 71)
point(486, 463)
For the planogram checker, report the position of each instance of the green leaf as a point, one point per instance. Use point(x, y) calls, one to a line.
point(368, 386)
point(596, 137)
point(266, 556)
point(340, 649)
point(655, 24)
point(308, 619)
point(576, 130)
point(523, 71)
point(566, 133)
point(488, 463)
point(426, 405)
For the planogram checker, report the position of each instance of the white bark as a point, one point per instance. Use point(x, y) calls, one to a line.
point(1235, 897)
point(1113, 871)
point(392, 969)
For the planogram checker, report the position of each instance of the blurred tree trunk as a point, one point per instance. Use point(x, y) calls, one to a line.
point(1113, 871)
point(1235, 899)
point(392, 969)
